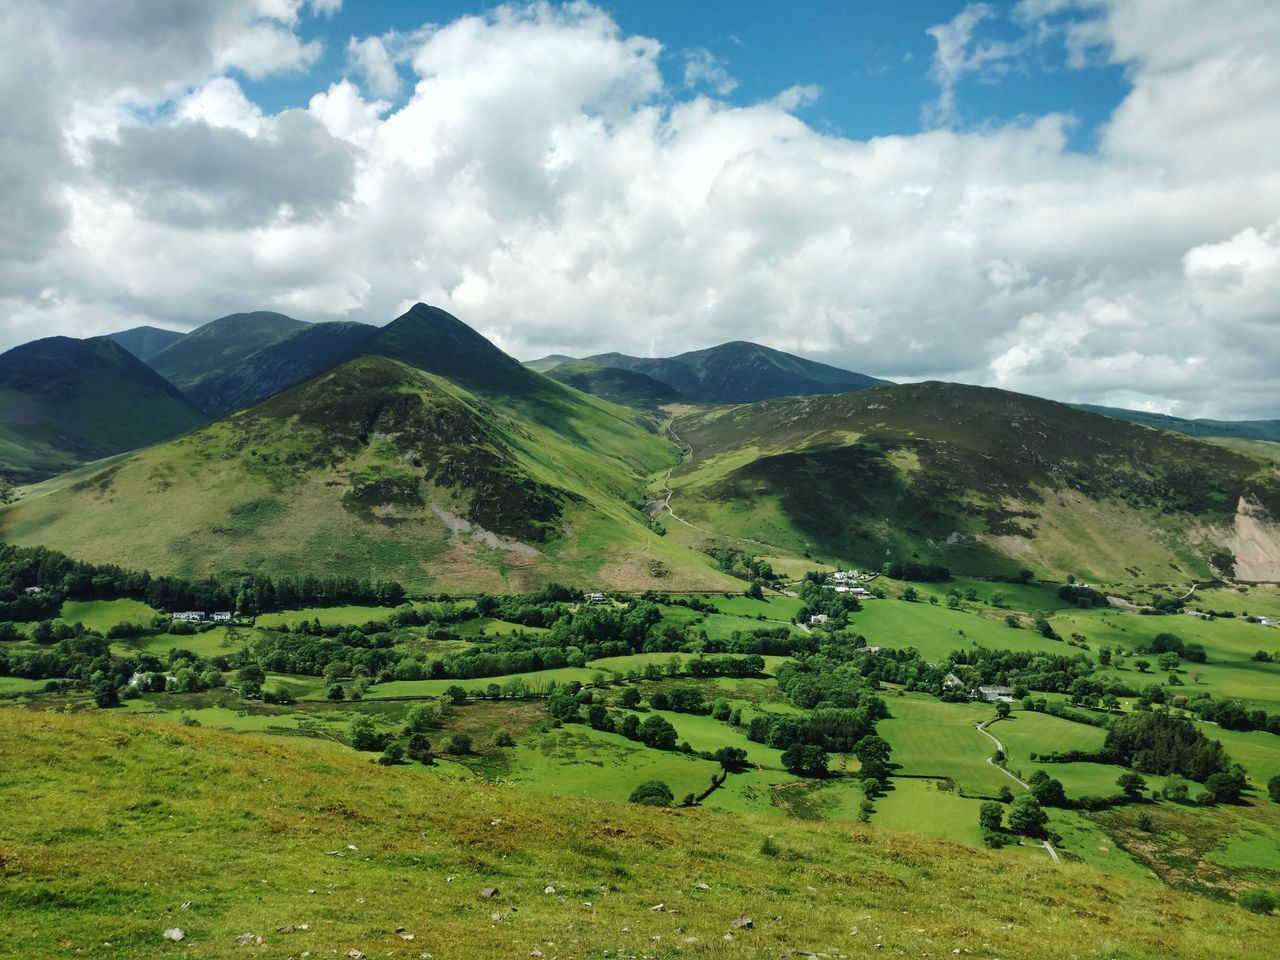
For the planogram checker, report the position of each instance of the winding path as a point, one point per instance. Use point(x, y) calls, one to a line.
point(982, 728)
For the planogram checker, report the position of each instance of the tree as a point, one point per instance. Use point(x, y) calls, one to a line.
point(364, 736)
point(251, 680)
point(504, 739)
point(1132, 784)
point(393, 752)
point(1226, 787)
point(731, 758)
point(631, 727)
point(1002, 710)
point(805, 760)
point(1168, 661)
point(656, 732)
point(336, 692)
point(598, 718)
point(873, 755)
point(1005, 795)
point(1258, 901)
point(1026, 816)
point(630, 698)
point(419, 747)
point(1175, 789)
point(105, 695)
point(459, 744)
point(1047, 790)
point(991, 816)
point(1142, 665)
point(910, 594)
point(456, 694)
point(1273, 789)
point(653, 793)
point(953, 601)
point(754, 592)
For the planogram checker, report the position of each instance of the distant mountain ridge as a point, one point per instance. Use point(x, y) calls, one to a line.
point(615, 383)
point(742, 372)
point(219, 344)
point(145, 342)
point(1241, 429)
point(64, 402)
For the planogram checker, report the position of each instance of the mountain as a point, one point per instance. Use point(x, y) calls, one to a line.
point(1238, 429)
point(145, 342)
point(741, 372)
point(300, 355)
point(980, 480)
point(616, 384)
point(219, 345)
point(387, 470)
point(64, 402)
point(432, 340)
point(548, 363)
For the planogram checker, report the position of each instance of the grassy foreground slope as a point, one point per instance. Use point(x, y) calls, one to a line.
point(982, 480)
point(387, 472)
point(113, 822)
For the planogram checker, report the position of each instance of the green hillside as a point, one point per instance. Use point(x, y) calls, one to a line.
point(547, 363)
point(300, 355)
point(1239, 429)
point(980, 480)
point(615, 384)
point(348, 858)
point(742, 372)
point(145, 342)
point(219, 345)
point(64, 402)
point(385, 471)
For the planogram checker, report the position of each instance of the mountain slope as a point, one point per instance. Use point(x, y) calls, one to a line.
point(386, 470)
point(64, 402)
point(219, 345)
point(741, 372)
point(145, 342)
point(547, 363)
point(300, 355)
point(980, 480)
point(615, 384)
point(1239, 429)
point(404, 837)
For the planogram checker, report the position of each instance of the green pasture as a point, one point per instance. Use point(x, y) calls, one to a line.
point(214, 642)
point(936, 739)
point(102, 615)
point(536, 680)
point(937, 631)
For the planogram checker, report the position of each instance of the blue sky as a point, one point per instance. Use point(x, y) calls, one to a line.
point(872, 60)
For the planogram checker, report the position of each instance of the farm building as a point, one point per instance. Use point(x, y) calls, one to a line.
point(952, 682)
point(818, 620)
point(993, 693)
point(222, 616)
point(598, 598)
point(189, 616)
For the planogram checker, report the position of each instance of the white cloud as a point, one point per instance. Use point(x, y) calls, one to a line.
point(959, 52)
point(371, 59)
point(701, 68)
point(541, 180)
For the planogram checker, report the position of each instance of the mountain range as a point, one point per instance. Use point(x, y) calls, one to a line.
point(422, 452)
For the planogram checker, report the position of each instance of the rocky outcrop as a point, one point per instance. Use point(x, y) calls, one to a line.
point(1255, 541)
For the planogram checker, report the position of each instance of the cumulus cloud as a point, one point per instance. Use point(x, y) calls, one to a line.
point(702, 68)
point(542, 180)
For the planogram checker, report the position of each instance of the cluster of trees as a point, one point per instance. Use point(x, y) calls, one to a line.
point(739, 563)
point(915, 570)
point(1166, 643)
point(1082, 596)
point(1161, 743)
point(819, 600)
point(58, 577)
point(1232, 715)
point(1026, 818)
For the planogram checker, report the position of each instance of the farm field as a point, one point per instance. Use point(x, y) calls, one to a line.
point(102, 615)
point(934, 739)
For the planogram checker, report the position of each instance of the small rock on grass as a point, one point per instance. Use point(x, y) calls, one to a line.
point(741, 923)
point(249, 939)
point(489, 893)
point(175, 934)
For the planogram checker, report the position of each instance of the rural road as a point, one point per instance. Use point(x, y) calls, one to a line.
point(982, 728)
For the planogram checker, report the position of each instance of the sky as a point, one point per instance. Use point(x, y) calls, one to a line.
point(1078, 199)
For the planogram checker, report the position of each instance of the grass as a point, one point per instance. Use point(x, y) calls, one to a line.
point(120, 816)
point(214, 642)
point(934, 739)
point(102, 615)
point(350, 615)
point(536, 680)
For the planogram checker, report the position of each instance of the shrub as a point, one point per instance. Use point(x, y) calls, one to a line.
point(504, 739)
point(653, 793)
point(459, 744)
point(1257, 901)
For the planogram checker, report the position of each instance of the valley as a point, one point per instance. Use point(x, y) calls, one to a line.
point(398, 572)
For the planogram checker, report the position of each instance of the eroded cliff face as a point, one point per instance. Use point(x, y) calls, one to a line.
point(1255, 541)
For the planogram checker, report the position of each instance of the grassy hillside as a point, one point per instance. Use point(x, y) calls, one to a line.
point(300, 355)
point(982, 480)
point(64, 402)
point(1241, 429)
point(145, 342)
point(219, 345)
point(741, 372)
point(615, 384)
point(118, 829)
point(548, 363)
point(387, 472)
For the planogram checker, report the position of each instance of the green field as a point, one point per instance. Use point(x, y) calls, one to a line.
point(210, 642)
point(102, 615)
point(536, 681)
point(935, 739)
